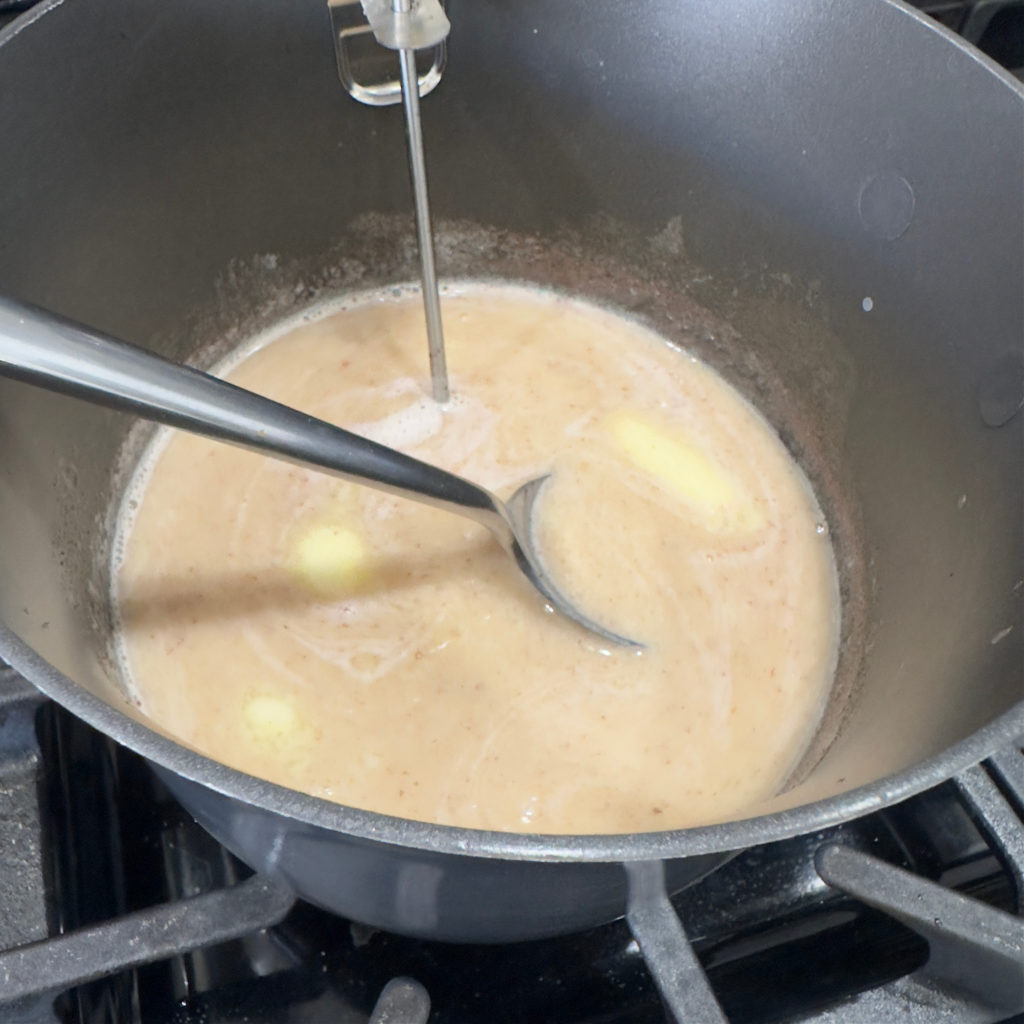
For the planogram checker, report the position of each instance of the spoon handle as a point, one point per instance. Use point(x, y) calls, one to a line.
point(59, 355)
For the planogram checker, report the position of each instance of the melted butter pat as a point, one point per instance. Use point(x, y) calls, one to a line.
point(690, 474)
point(389, 656)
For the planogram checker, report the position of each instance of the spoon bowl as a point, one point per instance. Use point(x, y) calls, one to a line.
point(517, 514)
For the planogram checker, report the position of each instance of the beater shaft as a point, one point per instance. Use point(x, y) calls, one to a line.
point(424, 233)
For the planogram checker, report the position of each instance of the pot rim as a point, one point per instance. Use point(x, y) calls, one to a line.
point(448, 839)
point(44, 7)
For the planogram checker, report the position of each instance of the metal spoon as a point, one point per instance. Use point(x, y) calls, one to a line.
point(45, 350)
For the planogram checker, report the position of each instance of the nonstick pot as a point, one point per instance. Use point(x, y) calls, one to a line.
point(821, 200)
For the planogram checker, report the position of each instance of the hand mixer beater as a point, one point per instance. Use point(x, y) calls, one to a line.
point(408, 26)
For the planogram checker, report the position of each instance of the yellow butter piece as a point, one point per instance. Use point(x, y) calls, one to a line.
point(272, 720)
point(331, 559)
point(710, 491)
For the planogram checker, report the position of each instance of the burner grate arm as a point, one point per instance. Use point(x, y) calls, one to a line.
point(68, 960)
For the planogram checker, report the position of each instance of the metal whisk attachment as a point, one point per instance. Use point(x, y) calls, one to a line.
point(407, 26)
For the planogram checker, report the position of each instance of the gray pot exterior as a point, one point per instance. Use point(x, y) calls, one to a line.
point(421, 892)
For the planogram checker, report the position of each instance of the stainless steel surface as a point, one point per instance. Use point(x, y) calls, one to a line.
point(424, 233)
point(407, 24)
point(49, 352)
point(735, 175)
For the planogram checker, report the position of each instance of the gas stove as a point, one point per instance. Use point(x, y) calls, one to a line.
point(116, 907)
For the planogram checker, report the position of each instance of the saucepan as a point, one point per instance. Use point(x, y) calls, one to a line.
point(821, 200)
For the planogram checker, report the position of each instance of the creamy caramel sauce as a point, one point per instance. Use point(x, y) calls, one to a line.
point(389, 656)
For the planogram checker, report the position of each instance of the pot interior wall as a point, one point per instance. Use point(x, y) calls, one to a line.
point(744, 177)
